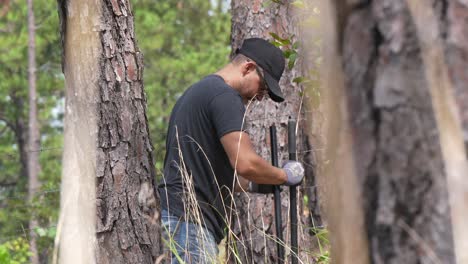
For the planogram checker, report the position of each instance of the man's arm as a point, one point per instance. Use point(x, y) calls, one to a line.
point(248, 163)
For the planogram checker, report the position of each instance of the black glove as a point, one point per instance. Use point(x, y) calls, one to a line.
point(260, 188)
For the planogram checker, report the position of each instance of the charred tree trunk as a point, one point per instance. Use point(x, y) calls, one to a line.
point(254, 225)
point(390, 136)
point(110, 210)
point(33, 132)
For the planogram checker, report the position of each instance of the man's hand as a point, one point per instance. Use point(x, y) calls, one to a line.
point(295, 172)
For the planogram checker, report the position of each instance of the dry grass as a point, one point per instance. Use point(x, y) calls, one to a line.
point(232, 247)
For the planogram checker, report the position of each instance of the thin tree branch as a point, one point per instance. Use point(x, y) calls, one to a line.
point(8, 124)
point(7, 184)
point(3, 130)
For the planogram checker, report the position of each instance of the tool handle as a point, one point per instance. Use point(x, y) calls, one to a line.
point(293, 192)
point(292, 139)
point(277, 198)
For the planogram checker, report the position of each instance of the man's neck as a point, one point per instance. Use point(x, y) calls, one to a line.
point(229, 76)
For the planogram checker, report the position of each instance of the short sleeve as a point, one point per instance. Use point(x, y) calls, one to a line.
point(227, 113)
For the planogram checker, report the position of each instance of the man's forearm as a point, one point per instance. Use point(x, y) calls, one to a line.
point(262, 172)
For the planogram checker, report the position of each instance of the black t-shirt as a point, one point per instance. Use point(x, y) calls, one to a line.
point(195, 158)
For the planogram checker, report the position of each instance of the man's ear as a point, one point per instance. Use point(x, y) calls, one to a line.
point(247, 67)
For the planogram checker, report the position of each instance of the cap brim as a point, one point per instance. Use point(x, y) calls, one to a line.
point(274, 90)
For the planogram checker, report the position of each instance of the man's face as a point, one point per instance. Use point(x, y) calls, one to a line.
point(262, 86)
point(254, 85)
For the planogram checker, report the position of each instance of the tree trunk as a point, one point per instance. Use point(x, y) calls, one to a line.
point(254, 225)
point(438, 68)
point(33, 133)
point(21, 134)
point(453, 21)
point(108, 175)
point(391, 199)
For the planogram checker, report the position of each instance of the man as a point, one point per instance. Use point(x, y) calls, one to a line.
point(208, 153)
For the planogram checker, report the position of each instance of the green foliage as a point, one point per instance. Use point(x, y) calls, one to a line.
point(323, 255)
point(290, 48)
point(4, 254)
point(182, 41)
point(16, 210)
point(322, 236)
point(305, 199)
point(324, 258)
point(46, 232)
point(15, 251)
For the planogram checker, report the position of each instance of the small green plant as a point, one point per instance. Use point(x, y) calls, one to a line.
point(323, 256)
point(46, 232)
point(15, 252)
point(4, 254)
point(289, 48)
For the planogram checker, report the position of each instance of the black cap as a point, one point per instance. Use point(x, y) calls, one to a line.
point(270, 59)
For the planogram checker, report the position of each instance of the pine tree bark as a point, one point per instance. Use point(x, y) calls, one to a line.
point(388, 134)
point(254, 225)
point(33, 133)
point(441, 86)
point(453, 22)
point(113, 217)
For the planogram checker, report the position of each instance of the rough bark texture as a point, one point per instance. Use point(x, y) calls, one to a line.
point(107, 124)
point(254, 221)
point(394, 133)
point(33, 132)
point(127, 205)
point(448, 119)
point(453, 19)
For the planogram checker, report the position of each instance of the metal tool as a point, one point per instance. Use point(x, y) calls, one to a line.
point(292, 195)
point(277, 197)
point(293, 191)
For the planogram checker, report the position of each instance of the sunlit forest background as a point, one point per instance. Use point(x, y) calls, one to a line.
point(178, 50)
point(382, 91)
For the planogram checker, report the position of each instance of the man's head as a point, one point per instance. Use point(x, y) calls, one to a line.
point(266, 61)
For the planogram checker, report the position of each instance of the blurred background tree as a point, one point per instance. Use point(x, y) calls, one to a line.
point(181, 40)
point(15, 208)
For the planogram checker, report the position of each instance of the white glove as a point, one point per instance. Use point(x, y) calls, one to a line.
point(295, 172)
